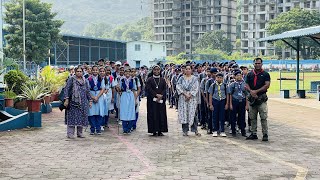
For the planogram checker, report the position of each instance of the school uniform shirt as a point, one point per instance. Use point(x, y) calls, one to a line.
point(218, 91)
point(203, 84)
point(237, 90)
point(208, 84)
point(127, 101)
point(96, 84)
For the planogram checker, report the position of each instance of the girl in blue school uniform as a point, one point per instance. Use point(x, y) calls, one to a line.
point(128, 96)
point(104, 108)
point(97, 87)
point(109, 94)
point(138, 85)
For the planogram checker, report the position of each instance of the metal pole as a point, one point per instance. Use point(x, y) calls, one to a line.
point(49, 63)
point(298, 59)
point(24, 35)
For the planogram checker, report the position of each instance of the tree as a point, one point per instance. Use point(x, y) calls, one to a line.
point(215, 40)
point(140, 30)
point(296, 19)
point(41, 29)
point(97, 29)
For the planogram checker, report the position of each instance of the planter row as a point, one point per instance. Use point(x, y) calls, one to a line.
point(34, 105)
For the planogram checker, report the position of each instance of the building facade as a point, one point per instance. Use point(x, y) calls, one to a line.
point(254, 16)
point(180, 23)
point(80, 49)
point(145, 53)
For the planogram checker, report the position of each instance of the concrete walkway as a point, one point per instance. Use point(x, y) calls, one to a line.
point(293, 151)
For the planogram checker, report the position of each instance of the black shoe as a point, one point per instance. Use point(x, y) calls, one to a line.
point(234, 134)
point(160, 134)
point(265, 137)
point(252, 137)
point(154, 134)
point(243, 133)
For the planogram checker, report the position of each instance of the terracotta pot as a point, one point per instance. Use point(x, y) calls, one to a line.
point(47, 99)
point(53, 97)
point(22, 105)
point(34, 105)
point(8, 102)
point(56, 97)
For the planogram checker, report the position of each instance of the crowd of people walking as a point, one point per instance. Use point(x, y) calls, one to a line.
point(213, 96)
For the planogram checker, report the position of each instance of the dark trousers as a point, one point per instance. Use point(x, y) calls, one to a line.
point(210, 119)
point(204, 113)
point(106, 120)
point(134, 123)
point(126, 126)
point(95, 123)
point(239, 108)
point(218, 115)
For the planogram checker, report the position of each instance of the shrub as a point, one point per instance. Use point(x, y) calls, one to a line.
point(15, 79)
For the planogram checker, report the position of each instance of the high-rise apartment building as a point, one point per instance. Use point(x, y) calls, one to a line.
point(254, 16)
point(180, 23)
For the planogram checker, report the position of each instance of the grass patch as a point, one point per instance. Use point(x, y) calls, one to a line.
point(305, 81)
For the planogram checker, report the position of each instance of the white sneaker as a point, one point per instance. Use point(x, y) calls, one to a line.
point(214, 134)
point(230, 131)
point(102, 128)
point(223, 134)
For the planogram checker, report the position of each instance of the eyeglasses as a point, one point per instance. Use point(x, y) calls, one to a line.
point(257, 63)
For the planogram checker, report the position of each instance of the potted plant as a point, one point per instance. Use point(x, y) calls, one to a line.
point(9, 96)
point(33, 93)
point(54, 80)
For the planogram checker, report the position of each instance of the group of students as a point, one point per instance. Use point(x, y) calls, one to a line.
point(217, 95)
point(206, 95)
point(111, 89)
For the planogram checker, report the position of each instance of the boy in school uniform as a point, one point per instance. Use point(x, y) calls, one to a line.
point(210, 81)
point(204, 101)
point(238, 103)
point(218, 101)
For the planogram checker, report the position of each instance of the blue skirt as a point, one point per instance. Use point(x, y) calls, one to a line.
point(96, 108)
point(127, 106)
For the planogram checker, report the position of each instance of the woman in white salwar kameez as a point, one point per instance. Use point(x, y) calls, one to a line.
point(188, 88)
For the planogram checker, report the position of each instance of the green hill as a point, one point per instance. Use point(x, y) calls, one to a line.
point(78, 14)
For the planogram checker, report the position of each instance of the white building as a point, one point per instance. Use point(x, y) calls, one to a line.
point(148, 53)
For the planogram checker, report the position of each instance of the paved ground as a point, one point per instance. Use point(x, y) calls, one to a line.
point(293, 151)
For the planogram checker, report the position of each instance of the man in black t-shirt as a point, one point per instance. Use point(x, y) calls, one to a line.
point(258, 83)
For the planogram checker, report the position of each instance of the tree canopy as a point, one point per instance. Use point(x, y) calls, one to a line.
point(215, 40)
point(41, 29)
point(296, 19)
point(142, 29)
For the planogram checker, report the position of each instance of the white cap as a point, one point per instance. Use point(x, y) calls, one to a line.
point(118, 63)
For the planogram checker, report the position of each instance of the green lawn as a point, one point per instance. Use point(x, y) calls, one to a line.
point(291, 84)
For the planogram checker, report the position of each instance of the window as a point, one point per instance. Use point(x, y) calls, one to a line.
point(188, 6)
point(187, 14)
point(150, 47)
point(137, 47)
point(187, 22)
point(187, 46)
point(138, 64)
point(164, 49)
point(187, 30)
point(187, 38)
